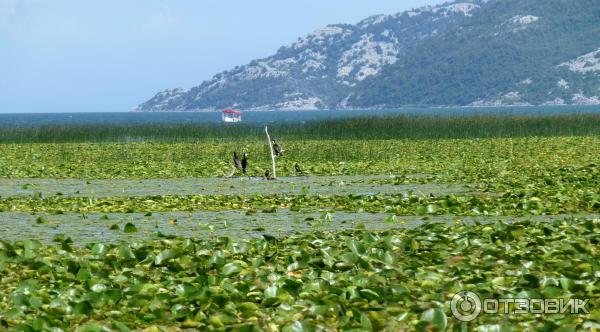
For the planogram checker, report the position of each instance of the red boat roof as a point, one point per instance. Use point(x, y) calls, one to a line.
point(232, 112)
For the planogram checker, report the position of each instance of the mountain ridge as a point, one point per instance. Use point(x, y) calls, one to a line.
point(430, 56)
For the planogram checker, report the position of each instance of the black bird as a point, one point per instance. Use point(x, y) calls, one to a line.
point(277, 148)
point(237, 163)
point(267, 175)
point(244, 163)
point(299, 170)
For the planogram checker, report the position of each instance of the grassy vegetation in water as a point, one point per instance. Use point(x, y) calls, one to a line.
point(351, 280)
point(388, 127)
point(504, 176)
point(456, 160)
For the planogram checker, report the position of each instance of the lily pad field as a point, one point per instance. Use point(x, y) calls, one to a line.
point(382, 229)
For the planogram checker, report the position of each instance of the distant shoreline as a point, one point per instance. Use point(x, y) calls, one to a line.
point(346, 110)
point(376, 108)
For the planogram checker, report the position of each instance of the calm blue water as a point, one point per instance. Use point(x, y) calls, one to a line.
point(41, 119)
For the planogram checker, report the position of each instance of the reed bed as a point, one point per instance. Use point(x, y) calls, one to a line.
point(369, 128)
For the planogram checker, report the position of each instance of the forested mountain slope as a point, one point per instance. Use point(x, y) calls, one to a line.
point(496, 52)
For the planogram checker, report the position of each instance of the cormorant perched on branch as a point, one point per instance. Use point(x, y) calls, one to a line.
point(244, 163)
point(268, 175)
point(299, 170)
point(237, 163)
point(277, 149)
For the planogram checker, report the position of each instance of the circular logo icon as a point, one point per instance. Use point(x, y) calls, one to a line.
point(465, 306)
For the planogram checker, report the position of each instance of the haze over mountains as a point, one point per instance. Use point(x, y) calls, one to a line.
point(465, 53)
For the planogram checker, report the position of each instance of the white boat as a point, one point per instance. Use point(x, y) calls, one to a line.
point(231, 116)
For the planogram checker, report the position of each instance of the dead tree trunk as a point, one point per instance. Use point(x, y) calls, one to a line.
point(272, 153)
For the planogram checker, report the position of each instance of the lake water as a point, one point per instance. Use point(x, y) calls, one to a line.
point(262, 117)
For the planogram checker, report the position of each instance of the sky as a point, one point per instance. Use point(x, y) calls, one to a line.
point(111, 55)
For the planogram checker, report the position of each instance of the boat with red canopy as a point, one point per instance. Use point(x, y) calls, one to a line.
point(230, 115)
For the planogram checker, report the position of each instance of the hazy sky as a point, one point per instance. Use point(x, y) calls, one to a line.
point(110, 55)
